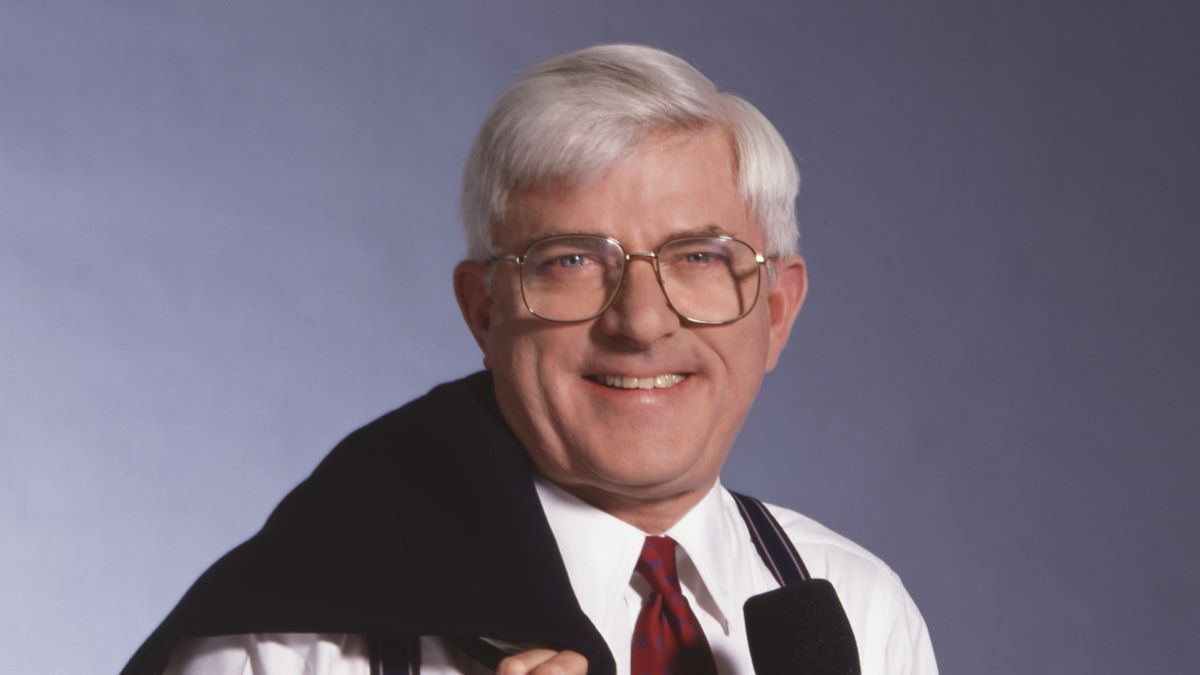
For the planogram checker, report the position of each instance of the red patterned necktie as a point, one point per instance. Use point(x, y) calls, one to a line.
point(667, 639)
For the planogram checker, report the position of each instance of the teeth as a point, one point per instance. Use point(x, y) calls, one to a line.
point(656, 382)
point(667, 381)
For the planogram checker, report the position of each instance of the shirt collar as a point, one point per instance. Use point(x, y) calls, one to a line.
point(705, 536)
point(600, 550)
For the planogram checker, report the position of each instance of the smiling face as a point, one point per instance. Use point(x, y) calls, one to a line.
point(575, 393)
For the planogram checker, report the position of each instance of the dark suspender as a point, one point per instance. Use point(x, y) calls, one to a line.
point(401, 655)
point(773, 545)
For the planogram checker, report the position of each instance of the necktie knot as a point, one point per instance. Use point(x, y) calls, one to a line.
point(657, 565)
point(667, 639)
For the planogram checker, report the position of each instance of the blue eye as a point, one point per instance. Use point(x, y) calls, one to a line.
point(572, 260)
point(566, 265)
point(698, 257)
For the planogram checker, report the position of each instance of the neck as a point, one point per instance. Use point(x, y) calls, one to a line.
point(652, 515)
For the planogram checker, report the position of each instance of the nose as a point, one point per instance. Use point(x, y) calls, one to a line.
point(639, 315)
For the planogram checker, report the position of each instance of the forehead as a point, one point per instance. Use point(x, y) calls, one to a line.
point(682, 182)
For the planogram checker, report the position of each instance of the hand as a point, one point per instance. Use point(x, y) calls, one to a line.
point(544, 662)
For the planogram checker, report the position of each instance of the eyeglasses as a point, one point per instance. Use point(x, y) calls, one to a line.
point(575, 277)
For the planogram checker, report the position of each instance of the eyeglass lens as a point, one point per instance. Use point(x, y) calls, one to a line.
point(708, 279)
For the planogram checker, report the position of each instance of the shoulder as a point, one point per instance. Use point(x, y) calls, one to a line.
point(891, 632)
point(823, 549)
point(851, 568)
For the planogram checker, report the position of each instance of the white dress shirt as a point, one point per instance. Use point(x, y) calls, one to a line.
point(718, 569)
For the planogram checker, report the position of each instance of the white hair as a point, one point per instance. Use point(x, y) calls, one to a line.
point(570, 118)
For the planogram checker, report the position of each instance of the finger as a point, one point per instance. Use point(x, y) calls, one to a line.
point(562, 663)
point(521, 664)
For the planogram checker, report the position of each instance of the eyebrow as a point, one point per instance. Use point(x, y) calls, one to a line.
point(709, 230)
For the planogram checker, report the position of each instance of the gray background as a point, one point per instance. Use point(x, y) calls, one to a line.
point(227, 229)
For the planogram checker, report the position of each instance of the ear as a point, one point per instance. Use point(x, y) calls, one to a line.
point(784, 300)
point(474, 301)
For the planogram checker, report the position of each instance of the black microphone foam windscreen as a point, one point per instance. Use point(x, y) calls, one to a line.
point(800, 629)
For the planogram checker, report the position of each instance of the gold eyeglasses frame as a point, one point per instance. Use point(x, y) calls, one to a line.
point(652, 257)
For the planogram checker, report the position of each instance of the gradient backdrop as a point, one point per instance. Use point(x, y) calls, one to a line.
point(227, 230)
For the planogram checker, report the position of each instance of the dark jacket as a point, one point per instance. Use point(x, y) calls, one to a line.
point(449, 539)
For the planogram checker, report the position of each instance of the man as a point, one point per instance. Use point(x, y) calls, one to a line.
point(632, 276)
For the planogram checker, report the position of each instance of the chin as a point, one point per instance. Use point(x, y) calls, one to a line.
point(648, 473)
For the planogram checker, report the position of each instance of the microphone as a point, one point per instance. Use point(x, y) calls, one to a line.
point(800, 629)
